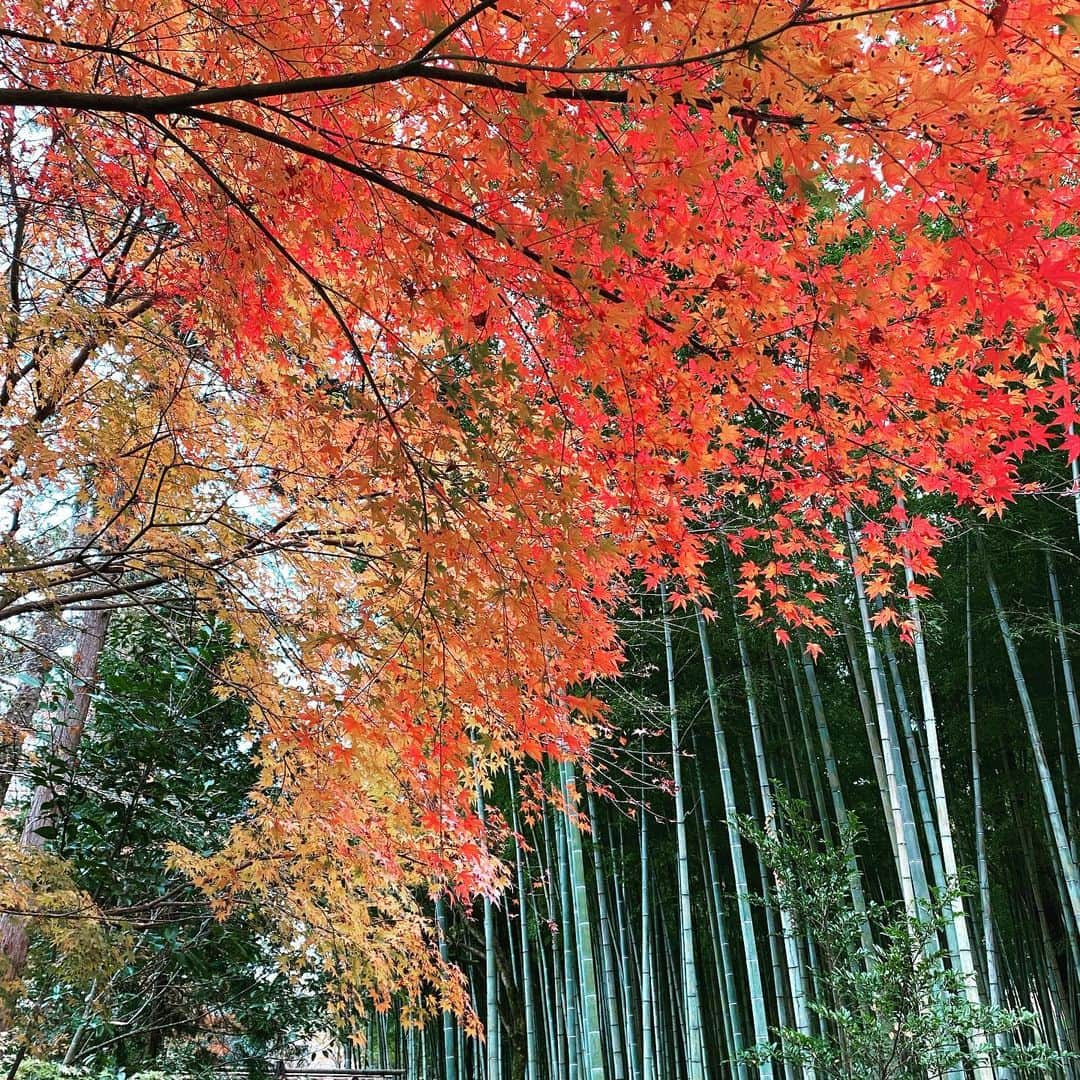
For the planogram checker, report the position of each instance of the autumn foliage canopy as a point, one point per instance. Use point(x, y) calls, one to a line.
point(406, 335)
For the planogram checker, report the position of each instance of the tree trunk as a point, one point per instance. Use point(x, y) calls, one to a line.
point(63, 747)
point(832, 772)
point(721, 944)
point(19, 722)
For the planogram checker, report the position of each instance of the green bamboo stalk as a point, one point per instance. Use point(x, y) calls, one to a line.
point(691, 1002)
point(1063, 651)
point(678, 1062)
point(918, 777)
point(758, 1012)
point(812, 760)
point(493, 1060)
point(607, 953)
point(900, 829)
point(836, 791)
point(789, 741)
point(792, 953)
point(1062, 760)
point(592, 1044)
point(993, 985)
point(551, 985)
point(721, 945)
point(713, 992)
point(919, 875)
point(665, 1019)
point(448, 1025)
point(961, 939)
point(532, 1063)
point(648, 1031)
point(866, 709)
point(1050, 978)
point(464, 1047)
point(626, 974)
point(569, 966)
point(1061, 996)
point(1059, 838)
point(773, 931)
point(549, 996)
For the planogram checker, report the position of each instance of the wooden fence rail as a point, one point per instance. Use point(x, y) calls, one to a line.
point(339, 1074)
point(286, 1072)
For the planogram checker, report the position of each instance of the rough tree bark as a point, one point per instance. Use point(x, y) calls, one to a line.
point(63, 748)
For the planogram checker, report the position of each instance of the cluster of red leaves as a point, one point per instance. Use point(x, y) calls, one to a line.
point(502, 304)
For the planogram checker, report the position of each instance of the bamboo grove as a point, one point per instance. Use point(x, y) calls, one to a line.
point(653, 927)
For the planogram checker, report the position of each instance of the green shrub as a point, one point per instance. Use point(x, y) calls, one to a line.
point(36, 1069)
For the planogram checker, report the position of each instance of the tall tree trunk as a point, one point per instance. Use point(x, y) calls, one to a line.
point(1063, 652)
point(797, 768)
point(676, 1028)
point(41, 653)
point(449, 1043)
point(1049, 978)
point(918, 777)
point(574, 1052)
point(549, 985)
point(812, 761)
point(774, 933)
point(491, 974)
point(626, 972)
point(63, 748)
point(870, 722)
point(722, 946)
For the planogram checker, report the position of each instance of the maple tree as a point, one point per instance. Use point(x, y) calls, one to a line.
point(402, 334)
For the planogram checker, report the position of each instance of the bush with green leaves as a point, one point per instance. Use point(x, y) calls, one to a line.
point(896, 1011)
point(36, 1069)
point(166, 762)
point(39, 1069)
